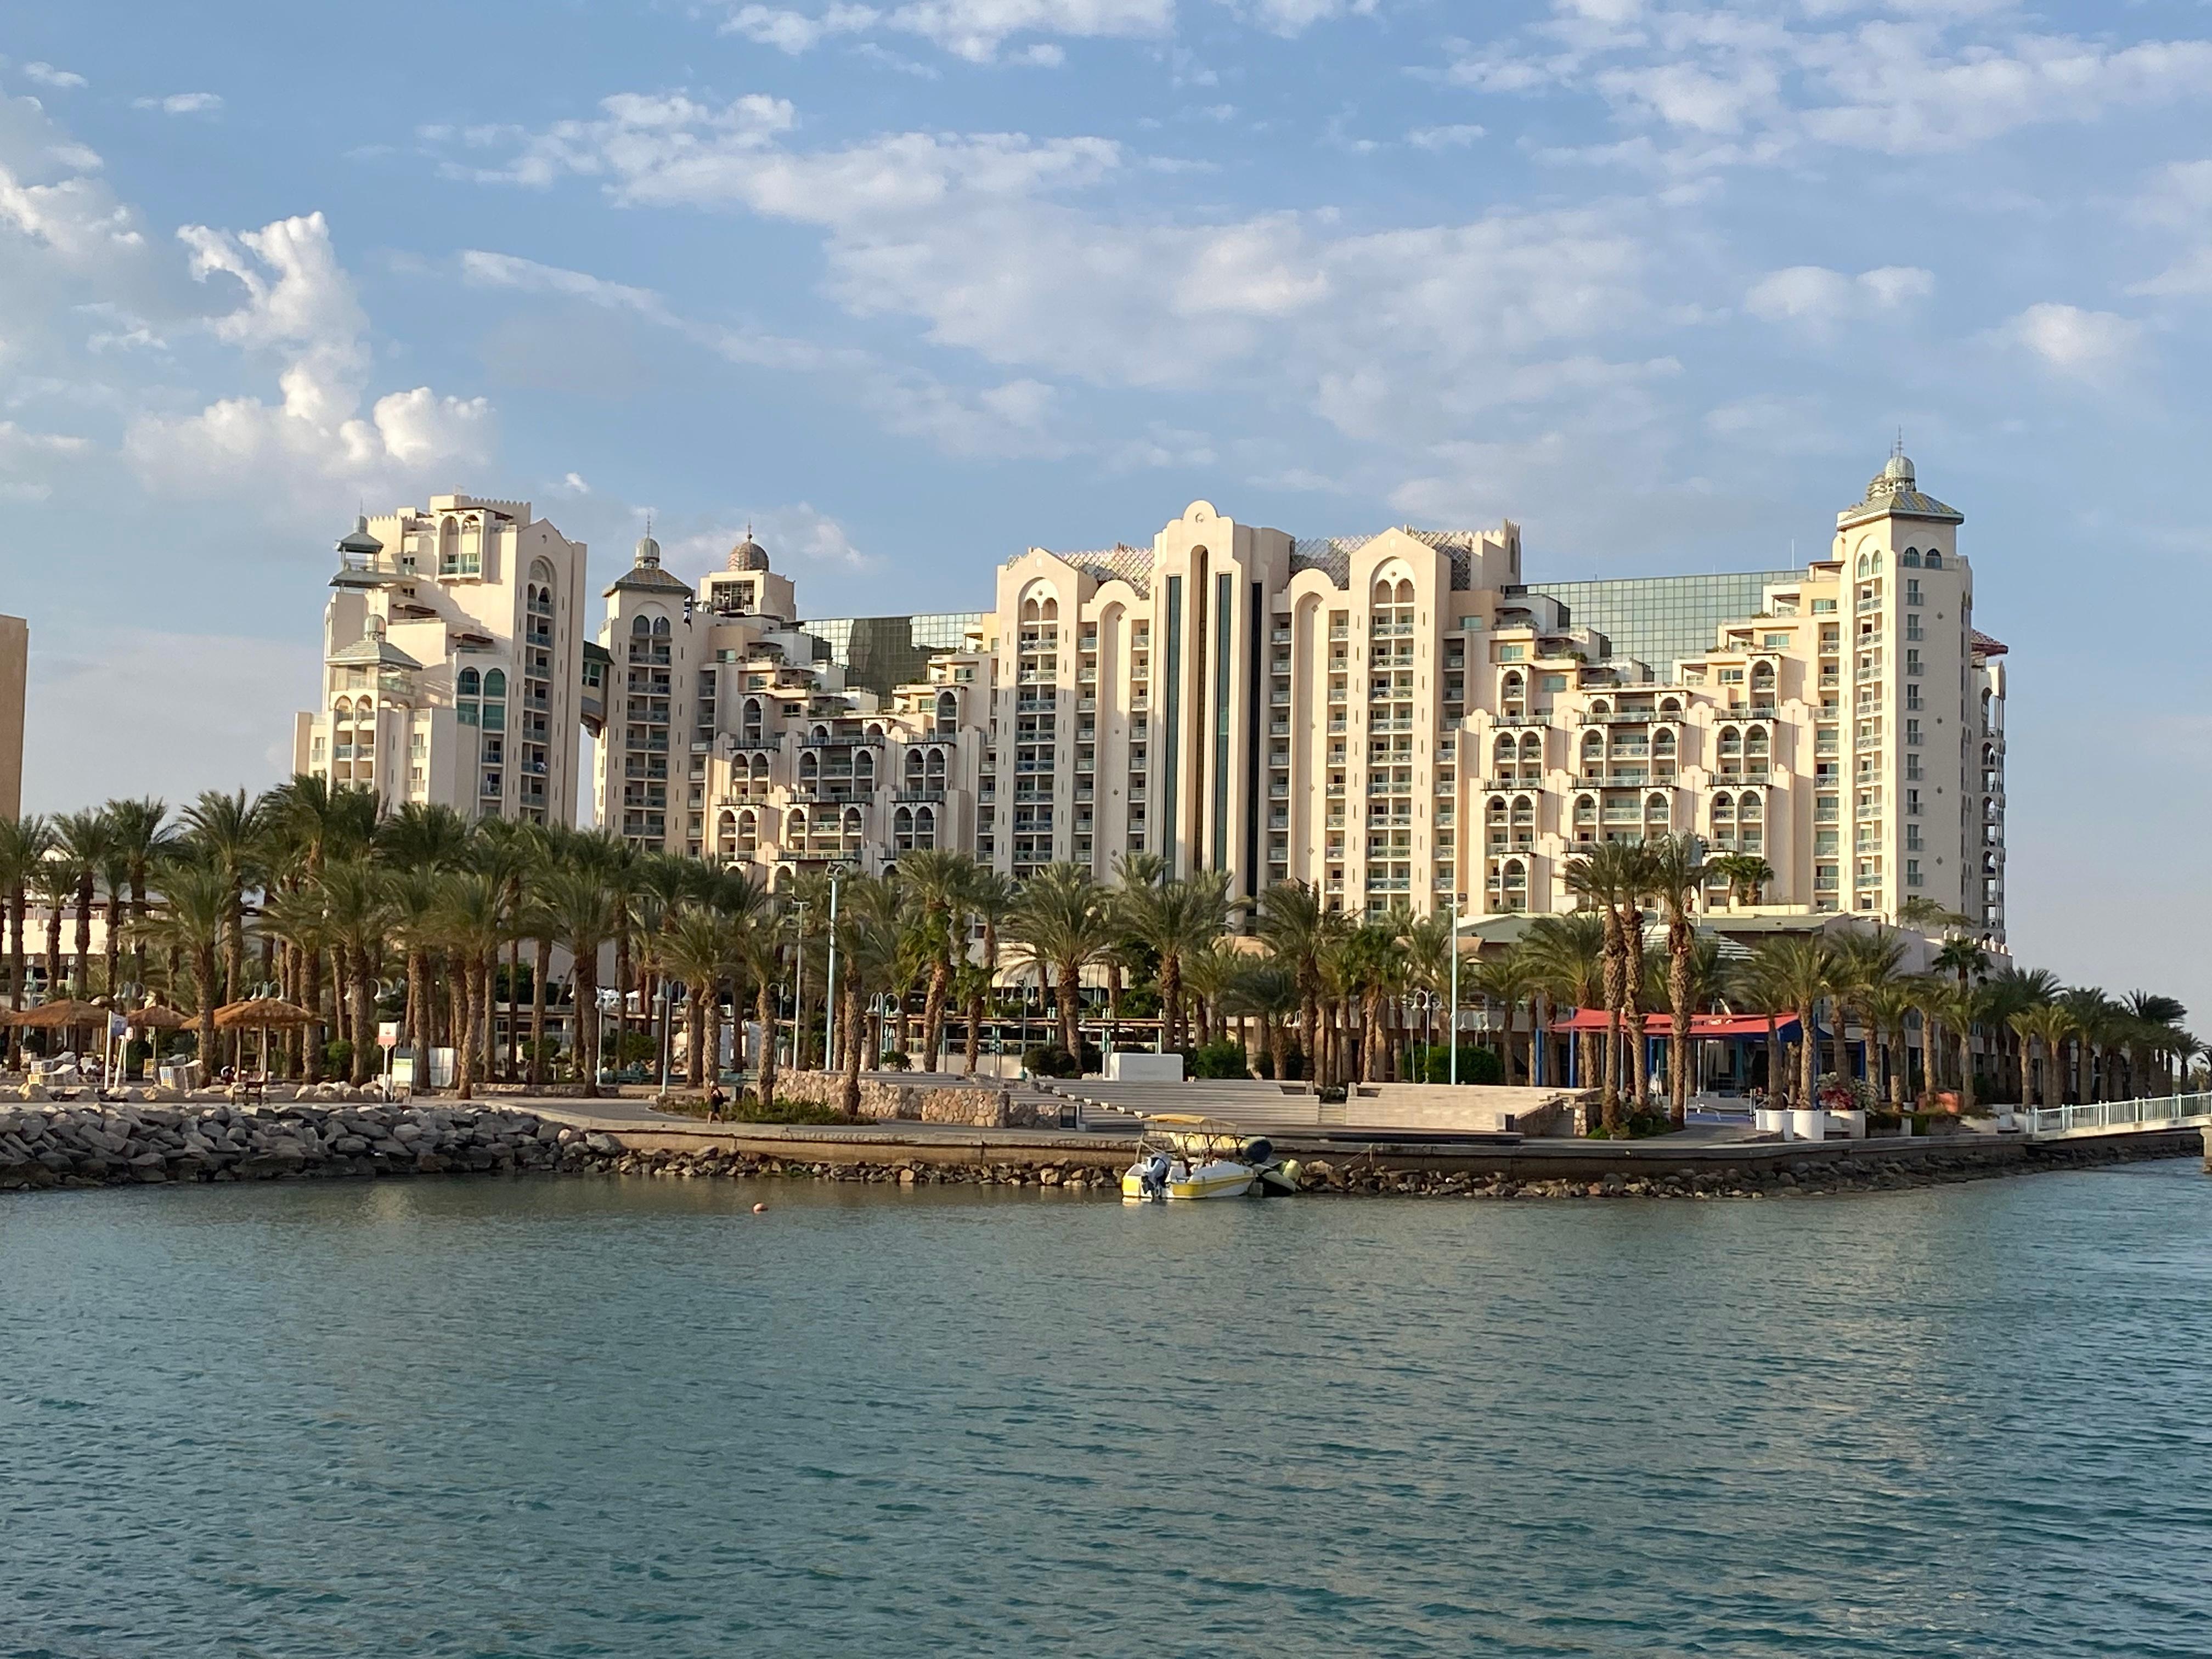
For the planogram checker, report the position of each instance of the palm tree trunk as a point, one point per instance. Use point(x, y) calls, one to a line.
point(541, 970)
point(1170, 1001)
point(848, 1096)
point(364, 1022)
point(1071, 1035)
point(695, 1037)
point(466, 986)
point(974, 1053)
point(1678, 943)
point(1809, 1060)
point(84, 974)
point(932, 1007)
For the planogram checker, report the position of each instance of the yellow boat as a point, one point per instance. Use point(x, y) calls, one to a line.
point(1183, 1157)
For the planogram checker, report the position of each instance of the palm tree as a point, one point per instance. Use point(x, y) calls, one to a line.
point(1747, 875)
point(868, 941)
point(1060, 922)
point(359, 914)
point(472, 919)
point(1509, 980)
point(2049, 1025)
point(1677, 873)
point(24, 843)
point(1886, 1005)
point(85, 840)
point(698, 951)
point(1611, 878)
point(937, 880)
point(1859, 963)
point(1295, 925)
point(585, 914)
point(759, 952)
point(1801, 968)
point(226, 832)
point(987, 899)
point(142, 837)
point(192, 918)
point(1174, 919)
point(1207, 974)
point(2090, 1012)
point(56, 884)
point(413, 896)
point(1263, 988)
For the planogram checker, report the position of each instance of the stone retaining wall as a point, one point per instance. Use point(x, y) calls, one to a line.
point(975, 1105)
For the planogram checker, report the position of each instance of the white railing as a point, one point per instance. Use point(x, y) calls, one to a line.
point(2176, 1110)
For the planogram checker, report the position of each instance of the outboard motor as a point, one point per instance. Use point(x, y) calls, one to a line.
point(1259, 1151)
point(1154, 1179)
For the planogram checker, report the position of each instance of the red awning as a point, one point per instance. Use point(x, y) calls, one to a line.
point(1701, 1025)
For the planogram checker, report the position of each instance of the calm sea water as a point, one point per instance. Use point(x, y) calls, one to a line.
point(560, 1417)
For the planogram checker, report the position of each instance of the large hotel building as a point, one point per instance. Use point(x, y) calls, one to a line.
point(1399, 719)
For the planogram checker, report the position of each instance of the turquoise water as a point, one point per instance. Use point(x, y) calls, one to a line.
point(578, 1417)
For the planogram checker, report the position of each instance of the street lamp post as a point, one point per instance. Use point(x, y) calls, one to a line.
point(830, 987)
point(798, 997)
point(1451, 1028)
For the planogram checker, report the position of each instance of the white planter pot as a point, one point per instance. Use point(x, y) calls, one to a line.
point(1851, 1124)
point(1807, 1125)
point(1771, 1120)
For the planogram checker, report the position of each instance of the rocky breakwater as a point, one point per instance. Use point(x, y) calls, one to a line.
point(66, 1145)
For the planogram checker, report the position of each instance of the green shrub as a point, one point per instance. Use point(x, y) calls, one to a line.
point(893, 1060)
point(746, 1108)
point(337, 1058)
point(1216, 1060)
point(1054, 1060)
point(1476, 1065)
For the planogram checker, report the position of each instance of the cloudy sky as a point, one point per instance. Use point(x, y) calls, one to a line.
point(911, 285)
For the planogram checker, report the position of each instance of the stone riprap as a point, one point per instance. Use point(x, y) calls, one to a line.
point(88, 1146)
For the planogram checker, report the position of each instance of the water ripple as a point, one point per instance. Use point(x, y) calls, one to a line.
point(481, 1421)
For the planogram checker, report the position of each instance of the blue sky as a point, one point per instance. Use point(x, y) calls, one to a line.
point(912, 286)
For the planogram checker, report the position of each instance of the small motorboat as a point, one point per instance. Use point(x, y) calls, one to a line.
point(1181, 1156)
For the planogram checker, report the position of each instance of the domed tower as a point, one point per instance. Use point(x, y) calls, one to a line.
point(748, 587)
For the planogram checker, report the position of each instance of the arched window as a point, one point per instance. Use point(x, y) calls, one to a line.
point(1866, 565)
point(936, 769)
point(1601, 707)
point(948, 714)
point(1877, 561)
point(864, 770)
point(1752, 810)
point(752, 719)
point(809, 766)
point(1505, 753)
point(925, 827)
point(1935, 560)
point(1670, 705)
point(1515, 687)
point(902, 830)
point(794, 826)
point(1657, 810)
point(1406, 591)
point(1755, 744)
point(1762, 676)
point(853, 823)
point(747, 833)
point(495, 682)
point(640, 627)
point(342, 711)
point(1911, 558)
point(1051, 609)
point(1382, 595)
point(660, 627)
point(821, 734)
point(725, 834)
point(913, 764)
point(469, 684)
point(1531, 755)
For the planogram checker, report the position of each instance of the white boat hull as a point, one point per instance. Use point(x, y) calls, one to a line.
point(1219, 1180)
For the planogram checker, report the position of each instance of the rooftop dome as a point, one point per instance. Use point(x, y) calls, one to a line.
point(749, 555)
point(359, 542)
point(648, 551)
point(1899, 468)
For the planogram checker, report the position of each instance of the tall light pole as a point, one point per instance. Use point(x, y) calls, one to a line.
point(798, 997)
point(1451, 1031)
point(830, 988)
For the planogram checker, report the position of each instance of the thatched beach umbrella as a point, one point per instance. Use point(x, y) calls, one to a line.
point(261, 1014)
point(62, 1012)
point(155, 1018)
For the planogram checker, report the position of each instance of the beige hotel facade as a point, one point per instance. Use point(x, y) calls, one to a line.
point(1400, 719)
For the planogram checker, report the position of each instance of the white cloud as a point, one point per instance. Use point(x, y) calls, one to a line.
point(182, 103)
point(1756, 84)
point(1293, 17)
point(1015, 418)
point(299, 306)
point(1819, 300)
point(2086, 345)
point(76, 217)
point(2180, 199)
point(1458, 136)
point(986, 240)
point(974, 29)
point(47, 75)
